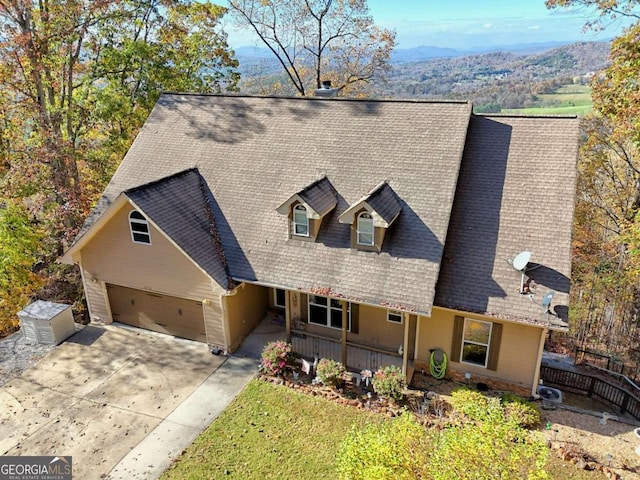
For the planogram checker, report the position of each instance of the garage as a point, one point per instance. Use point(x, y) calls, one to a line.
point(161, 313)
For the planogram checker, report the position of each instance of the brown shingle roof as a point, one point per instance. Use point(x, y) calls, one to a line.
point(516, 192)
point(179, 206)
point(254, 151)
point(382, 200)
point(319, 197)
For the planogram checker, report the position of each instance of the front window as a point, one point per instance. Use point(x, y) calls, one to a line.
point(327, 312)
point(475, 342)
point(300, 221)
point(365, 229)
point(139, 228)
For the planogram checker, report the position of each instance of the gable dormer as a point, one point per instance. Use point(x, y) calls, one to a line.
point(371, 216)
point(307, 208)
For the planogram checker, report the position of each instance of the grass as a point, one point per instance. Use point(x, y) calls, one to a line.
point(567, 100)
point(270, 431)
point(273, 432)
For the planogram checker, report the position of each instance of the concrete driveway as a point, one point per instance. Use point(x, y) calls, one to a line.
point(97, 395)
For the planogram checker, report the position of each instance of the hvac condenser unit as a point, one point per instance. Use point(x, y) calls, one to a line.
point(47, 322)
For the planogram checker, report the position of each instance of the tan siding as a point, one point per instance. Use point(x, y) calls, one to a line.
point(245, 309)
point(111, 257)
point(518, 347)
point(376, 331)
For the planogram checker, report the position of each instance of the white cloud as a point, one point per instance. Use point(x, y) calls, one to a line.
point(487, 25)
point(533, 27)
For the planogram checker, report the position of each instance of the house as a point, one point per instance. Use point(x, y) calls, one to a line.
point(381, 229)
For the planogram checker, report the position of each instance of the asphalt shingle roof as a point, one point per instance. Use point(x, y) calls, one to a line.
point(319, 196)
point(179, 206)
point(385, 203)
point(255, 151)
point(516, 192)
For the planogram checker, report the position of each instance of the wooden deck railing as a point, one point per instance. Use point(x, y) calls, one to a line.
point(359, 357)
point(592, 386)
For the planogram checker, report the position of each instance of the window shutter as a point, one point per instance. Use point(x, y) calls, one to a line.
point(494, 347)
point(456, 341)
point(355, 317)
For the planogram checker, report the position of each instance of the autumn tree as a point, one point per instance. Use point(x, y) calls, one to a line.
point(77, 79)
point(606, 266)
point(318, 40)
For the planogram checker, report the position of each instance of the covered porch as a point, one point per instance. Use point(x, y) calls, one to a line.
point(360, 336)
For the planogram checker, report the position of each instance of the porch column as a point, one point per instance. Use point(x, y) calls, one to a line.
point(405, 343)
point(345, 320)
point(287, 314)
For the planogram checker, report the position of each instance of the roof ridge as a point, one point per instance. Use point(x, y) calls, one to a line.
point(162, 180)
point(324, 99)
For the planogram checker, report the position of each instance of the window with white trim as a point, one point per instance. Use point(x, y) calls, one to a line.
point(394, 316)
point(365, 229)
point(139, 227)
point(475, 342)
point(327, 312)
point(300, 221)
point(279, 297)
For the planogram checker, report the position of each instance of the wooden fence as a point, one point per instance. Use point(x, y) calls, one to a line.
point(592, 386)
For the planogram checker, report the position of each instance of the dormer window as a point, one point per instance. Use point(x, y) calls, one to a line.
point(365, 229)
point(139, 227)
point(371, 216)
point(300, 221)
point(306, 209)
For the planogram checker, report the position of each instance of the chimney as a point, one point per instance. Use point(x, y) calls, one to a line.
point(326, 90)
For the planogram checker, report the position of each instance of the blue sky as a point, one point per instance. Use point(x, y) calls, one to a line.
point(471, 24)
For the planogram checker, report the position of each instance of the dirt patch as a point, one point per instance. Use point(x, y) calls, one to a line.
point(17, 355)
point(611, 444)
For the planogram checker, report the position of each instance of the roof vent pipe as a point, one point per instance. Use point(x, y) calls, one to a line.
point(326, 90)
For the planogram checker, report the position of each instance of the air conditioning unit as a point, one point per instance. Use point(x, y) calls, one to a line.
point(550, 394)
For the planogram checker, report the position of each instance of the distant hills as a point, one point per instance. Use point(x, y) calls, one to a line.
point(509, 77)
point(427, 52)
point(254, 58)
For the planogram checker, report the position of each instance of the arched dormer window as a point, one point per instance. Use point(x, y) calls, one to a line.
point(365, 229)
point(139, 227)
point(300, 221)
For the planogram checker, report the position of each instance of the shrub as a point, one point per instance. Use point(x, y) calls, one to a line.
point(493, 449)
point(330, 372)
point(476, 406)
point(276, 357)
point(521, 412)
point(383, 450)
point(389, 382)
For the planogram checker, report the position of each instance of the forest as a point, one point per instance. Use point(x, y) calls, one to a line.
point(79, 77)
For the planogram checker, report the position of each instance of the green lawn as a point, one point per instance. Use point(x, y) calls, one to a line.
point(271, 431)
point(567, 100)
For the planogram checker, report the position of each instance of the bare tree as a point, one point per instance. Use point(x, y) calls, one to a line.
point(317, 40)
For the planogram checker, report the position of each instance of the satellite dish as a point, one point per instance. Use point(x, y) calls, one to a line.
point(521, 260)
point(546, 300)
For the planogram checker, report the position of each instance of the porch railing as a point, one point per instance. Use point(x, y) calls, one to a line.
point(592, 386)
point(359, 357)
